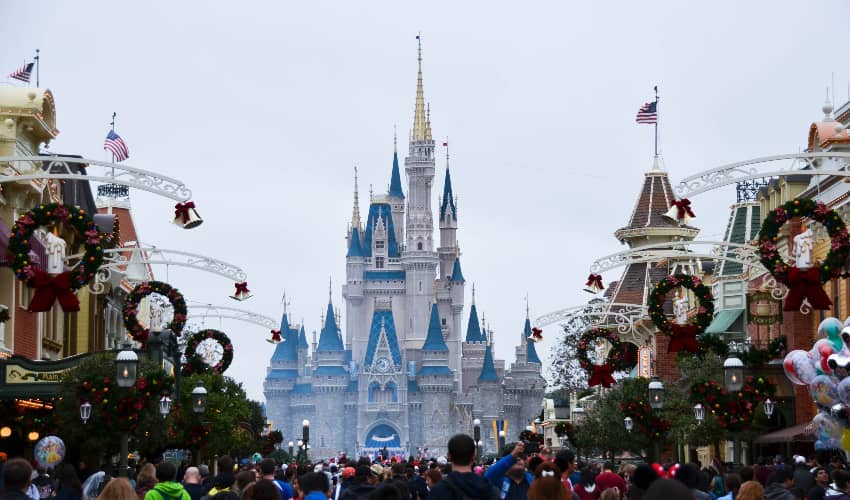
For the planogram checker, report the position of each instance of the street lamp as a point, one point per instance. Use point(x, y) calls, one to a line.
point(501, 440)
point(126, 365)
point(769, 405)
point(305, 435)
point(476, 434)
point(164, 406)
point(85, 411)
point(699, 413)
point(290, 449)
point(656, 394)
point(733, 373)
point(199, 398)
point(629, 423)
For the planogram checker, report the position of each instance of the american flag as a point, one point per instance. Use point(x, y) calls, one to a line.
point(23, 73)
point(648, 113)
point(116, 145)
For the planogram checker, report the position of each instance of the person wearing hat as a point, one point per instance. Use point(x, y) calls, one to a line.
point(346, 479)
point(362, 484)
point(803, 479)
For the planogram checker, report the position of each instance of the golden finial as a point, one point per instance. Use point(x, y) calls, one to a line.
point(419, 124)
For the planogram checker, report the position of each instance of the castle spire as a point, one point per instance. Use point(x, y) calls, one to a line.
point(355, 216)
point(419, 119)
point(448, 199)
point(395, 179)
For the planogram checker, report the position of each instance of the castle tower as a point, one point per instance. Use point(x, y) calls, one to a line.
point(524, 386)
point(434, 381)
point(473, 348)
point(355, 266)
point(419, 259)
point(488, 398)
point(396, 195)
point(329, 384)
point(281, 378)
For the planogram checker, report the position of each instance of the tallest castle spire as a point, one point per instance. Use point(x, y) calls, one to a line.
point(421, 130)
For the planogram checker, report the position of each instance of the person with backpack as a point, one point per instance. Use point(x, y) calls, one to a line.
point(167, 488)
point(509, 475)
point(462, 483)
point(267, 470)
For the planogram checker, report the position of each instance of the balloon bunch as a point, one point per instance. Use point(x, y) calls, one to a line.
point(824, 369)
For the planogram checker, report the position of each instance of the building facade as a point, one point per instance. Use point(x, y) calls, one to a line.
point(406, 373)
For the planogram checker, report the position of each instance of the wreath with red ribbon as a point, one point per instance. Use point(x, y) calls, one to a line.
point(683, 336)
point(601, 374)
point(142, 290)
point(734, 411)
point(61, 287)
point(804, 283)
point(194, 363)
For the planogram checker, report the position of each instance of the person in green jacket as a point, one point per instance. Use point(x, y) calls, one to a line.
point(167, 488)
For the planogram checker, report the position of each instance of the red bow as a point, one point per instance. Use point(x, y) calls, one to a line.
point(684, 206)
point(182, 210)
point(275, 336)
point(665, 473)
point(595, 279)
point(684, 338)
point(537, 334)
point(601, 375)
point(242, 287)
point(49, 289)
point(804, 284)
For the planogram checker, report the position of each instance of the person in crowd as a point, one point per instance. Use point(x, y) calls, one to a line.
point(818, 491)
point(610, 494)
point(840, 487)
point(242, 480)
point(346, 480)
point(641, 480)
point(314, 486)
point(388, 490)
point(192, 483)
point(267, 467)
point(43, 483)
point(225, 478)
point(509, 476)
point(262, 489)
point(206, 478)
point(751, 490)
point(167, 488)
point(547, 483)
point(668, 489)
point(398, 476)
point(608, 478)
point(586, 487)
point(763, 470)
point(462, 481)
point(361, 486)
point(688, 474)
point(416, 484)
point(733, 483)
point(118, 489)
point(69, 486)
point(567, 462)
point(17, 474)
point(747, 474)
point(145, 479)
point(803, 479)
point(779, 485)
point(432, 477)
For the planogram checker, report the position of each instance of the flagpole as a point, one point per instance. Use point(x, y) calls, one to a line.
point(37, 66)
point(656, 121)
point(112, 128)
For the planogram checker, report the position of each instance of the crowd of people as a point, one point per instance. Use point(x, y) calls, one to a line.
point(517, 475)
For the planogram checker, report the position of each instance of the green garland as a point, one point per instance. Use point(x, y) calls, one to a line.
point(55, 214)
point(817, 211)
point(121, 407)
point(734, 411)
point(693, 283)
point(194, 364)
point(131, 309)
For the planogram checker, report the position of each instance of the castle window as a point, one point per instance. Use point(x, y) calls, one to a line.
point(379, 244)
point(419, 246)
point(444, 321)
point(379, 262)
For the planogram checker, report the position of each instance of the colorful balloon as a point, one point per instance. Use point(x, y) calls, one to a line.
point(830, 328)
point(49, 451)
point(799, 367)
point(824, 391)
point(821, 351)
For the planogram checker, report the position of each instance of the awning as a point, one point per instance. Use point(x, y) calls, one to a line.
point(795, 434)
point(723, 321)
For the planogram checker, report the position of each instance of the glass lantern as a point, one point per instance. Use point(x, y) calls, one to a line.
point(733, 373)
point(85, 411)
point(629, 423)
point(699, 413)
point(656, 394)
point(126, 366)
point(164, 406)
point(199, 398)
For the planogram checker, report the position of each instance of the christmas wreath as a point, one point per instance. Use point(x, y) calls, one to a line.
point(131, 309)
point(601, 374)
point(643, 418)
point(734, 410)
point(804, 283)
point(61, 287)
point(121, 407)
point(196, 364)
point(683, 336)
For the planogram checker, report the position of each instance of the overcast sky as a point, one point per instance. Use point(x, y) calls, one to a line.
point(264, 108)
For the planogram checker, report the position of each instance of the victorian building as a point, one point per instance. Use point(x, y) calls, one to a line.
point(403, 373)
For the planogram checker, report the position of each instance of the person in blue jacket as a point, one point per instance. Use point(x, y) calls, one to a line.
point(509, 476)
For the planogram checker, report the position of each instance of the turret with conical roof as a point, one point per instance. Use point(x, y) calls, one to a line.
point(488, 369)
point(395, 196)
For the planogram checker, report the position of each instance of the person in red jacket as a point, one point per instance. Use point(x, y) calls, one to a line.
point(608, 478)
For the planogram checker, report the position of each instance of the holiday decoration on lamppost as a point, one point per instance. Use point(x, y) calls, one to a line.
point(126, 366)
point(186, 216)
point(610, 355)
point(242, 292)
point(683, 331)
point(207, 351)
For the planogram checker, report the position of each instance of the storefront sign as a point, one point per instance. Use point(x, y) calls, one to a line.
point(17, 374)
point(644, 362)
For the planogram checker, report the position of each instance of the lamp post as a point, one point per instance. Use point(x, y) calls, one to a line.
point(476, 435)
point(733, 376)
point(85, 411)
point(501, 441)
point(126, 368)
point(699, 413)
point(305, 436)
point(769, 406)
point(290, 450)
point(656, 402)
point(300, 449)
point(199, 405)
point(629, 423)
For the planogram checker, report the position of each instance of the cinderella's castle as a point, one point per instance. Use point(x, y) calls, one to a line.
point(406, 375)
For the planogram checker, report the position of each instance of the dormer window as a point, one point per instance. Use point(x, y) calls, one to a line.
point(379, 244)
point(379, 262)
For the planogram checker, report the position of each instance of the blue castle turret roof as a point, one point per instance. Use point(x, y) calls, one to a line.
point(355, 249)
point(382, 319)
point(473, 328)
point(302, 339)
point(530, 350)
point(457, 274)
point(385, 212)
point(434, 341)
point(288, 349)
point(395, 180)
point(448, 198)
point(330, 339)
point(488, 369)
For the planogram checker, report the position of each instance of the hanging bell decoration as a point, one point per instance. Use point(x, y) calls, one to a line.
point(594, 284)
point(186, 216)
point(242, 292)
point(536, 335)
point(275, 339)
point(680, 211)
